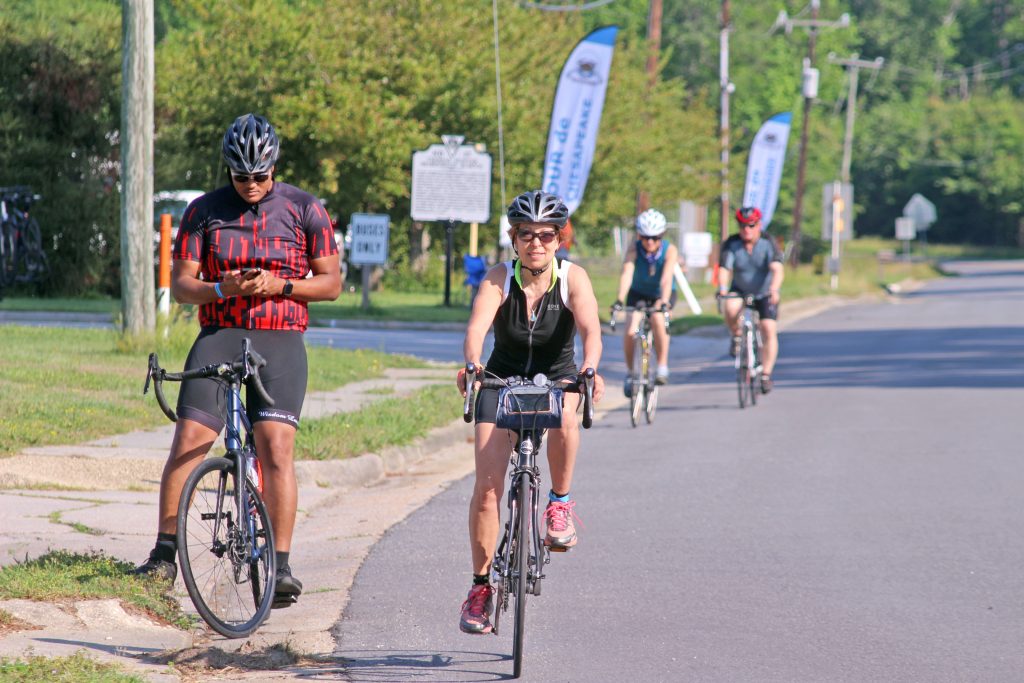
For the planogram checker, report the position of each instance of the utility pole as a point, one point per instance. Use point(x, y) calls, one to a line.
point(810, 92)
point(654, 12)
point(726, 89)
point(137, 291)
point(853, 65)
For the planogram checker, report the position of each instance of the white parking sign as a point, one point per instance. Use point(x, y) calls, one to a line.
point(370, 233)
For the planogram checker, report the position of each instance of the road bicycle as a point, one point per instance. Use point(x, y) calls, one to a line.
point(748, 357)
point(225, 538)
point(643, 384)
point(528, 407)
point(22, 258)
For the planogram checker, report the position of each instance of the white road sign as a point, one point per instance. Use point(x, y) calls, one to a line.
point(696, 249)
point(906, 229)
point(922, 211)
point(451, 182)
point(370, 233)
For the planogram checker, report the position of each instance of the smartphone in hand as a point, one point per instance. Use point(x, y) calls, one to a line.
point(250, 273)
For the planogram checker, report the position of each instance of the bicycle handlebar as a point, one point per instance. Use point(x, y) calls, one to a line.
point(246, 369)
point(646, 310)
point(583, 384)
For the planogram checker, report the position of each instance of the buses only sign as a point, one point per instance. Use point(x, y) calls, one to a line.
point(370, 234)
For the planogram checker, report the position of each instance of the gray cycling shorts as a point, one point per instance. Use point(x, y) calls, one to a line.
point(284, 376)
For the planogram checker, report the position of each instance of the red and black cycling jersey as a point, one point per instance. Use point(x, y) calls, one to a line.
point(280, 234)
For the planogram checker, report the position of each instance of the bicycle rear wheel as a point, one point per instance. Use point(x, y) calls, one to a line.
point(221, 550)
point(521, 566)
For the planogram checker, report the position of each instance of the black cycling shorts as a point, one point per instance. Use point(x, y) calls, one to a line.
point(636, 299)
point(284, 376)
point(765, 308)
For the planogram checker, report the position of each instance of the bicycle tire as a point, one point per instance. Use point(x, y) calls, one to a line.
point(636, 395)
point(651, 404)
point(522, 566)
point(213, 568)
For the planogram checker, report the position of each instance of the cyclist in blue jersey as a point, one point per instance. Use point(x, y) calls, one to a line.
point(648, 280)
point(535, 304)
point(750, 263)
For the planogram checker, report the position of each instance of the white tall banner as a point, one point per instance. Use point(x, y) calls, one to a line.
point(576, 115)
point(764, 168)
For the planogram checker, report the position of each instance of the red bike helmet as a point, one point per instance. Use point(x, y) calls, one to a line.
point(748, 215)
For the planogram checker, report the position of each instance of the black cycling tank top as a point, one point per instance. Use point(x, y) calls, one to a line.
point(525, 346)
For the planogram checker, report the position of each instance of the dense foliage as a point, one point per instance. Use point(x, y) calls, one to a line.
point(354, 88)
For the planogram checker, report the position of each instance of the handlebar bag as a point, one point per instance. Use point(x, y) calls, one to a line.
point(529, 407)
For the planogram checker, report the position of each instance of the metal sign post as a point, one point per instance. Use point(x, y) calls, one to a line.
point(451, 182)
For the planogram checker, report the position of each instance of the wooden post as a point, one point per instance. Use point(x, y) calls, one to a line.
point(137, 166)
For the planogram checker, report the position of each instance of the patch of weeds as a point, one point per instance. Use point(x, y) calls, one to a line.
point(55, 517)
point(63, 575)
point(388, 422)
point(73, 669)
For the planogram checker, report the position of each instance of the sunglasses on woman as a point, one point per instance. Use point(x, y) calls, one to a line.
point(249, 178)
point(546, 237)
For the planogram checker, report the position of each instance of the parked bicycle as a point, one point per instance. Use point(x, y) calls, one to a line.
point(22, 258)
point(529, 408)
point(748, 356)
point(225, 538)
point(642, 381)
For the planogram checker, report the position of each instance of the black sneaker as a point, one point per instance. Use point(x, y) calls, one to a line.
point(288, 588)
point(766, 384)
point(156, 568)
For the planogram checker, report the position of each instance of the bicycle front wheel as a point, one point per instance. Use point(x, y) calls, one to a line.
point(521, 566)
point(639, 390)
point(226, 555)
point(651, 404)
point(743, 386)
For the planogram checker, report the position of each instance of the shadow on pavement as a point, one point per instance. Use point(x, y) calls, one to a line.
point(402, 665)
point(979, 357)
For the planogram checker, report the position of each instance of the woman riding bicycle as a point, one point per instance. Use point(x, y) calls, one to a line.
point(535, 304)
point(242, 254)
point(647, 279)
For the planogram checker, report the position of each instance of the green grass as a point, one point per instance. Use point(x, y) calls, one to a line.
point(85, 305)
point(404, 306)
point(62, 385)
point(60, 575)
point(76, 668)
point(388, 422)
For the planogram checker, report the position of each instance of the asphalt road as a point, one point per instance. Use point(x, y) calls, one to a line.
point(862, 523)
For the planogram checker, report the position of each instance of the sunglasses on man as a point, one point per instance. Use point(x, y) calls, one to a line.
point(243, 178)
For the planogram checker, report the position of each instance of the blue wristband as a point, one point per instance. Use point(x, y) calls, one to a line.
point(216, 288)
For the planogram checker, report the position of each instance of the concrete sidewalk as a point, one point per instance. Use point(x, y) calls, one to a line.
point(345, 506)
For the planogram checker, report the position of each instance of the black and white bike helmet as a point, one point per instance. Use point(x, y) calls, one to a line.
point(250, 145)
point(537, 206)
point(651, 223)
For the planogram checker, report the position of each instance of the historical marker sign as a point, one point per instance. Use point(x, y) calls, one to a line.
point(451, 182)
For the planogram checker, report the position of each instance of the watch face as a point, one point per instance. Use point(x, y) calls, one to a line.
point(287, 289)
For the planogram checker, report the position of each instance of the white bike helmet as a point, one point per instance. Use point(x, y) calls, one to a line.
point(651, 223)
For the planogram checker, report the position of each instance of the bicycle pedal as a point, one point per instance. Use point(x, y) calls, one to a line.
point(558, 548)
point(282, 601)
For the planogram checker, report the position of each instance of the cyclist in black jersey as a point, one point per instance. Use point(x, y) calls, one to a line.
point(242, 254)
point(536, 304)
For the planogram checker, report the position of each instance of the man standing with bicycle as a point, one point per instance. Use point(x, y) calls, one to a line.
point(535, 304)
point(750, 264)
point(648, 280)
point(243, 254)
